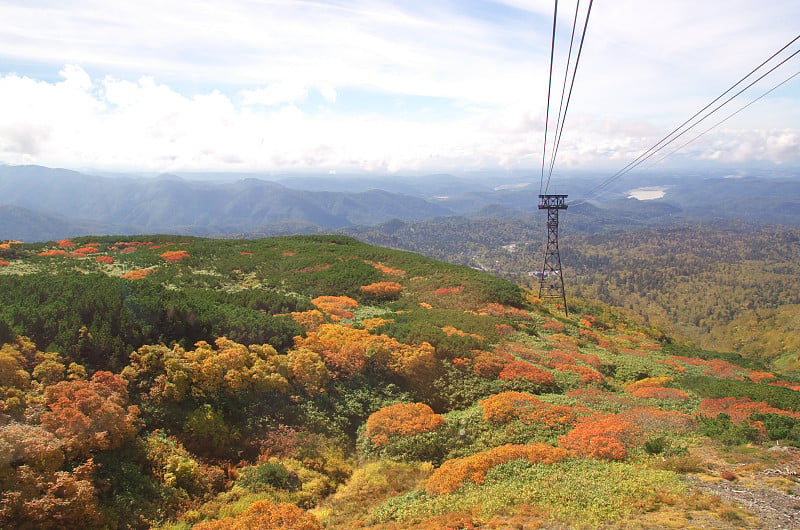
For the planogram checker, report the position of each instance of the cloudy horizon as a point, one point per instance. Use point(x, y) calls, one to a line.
point(371, 86)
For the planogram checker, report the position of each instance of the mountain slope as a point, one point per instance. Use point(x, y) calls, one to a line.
point(172, 205)
point(298, 381)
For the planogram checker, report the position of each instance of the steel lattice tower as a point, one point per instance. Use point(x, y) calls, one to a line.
point(551, 280)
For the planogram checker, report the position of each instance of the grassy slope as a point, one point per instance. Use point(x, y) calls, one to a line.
point(594, 358)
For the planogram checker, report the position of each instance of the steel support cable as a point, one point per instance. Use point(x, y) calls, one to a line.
point(652, 152)
point(571, 86)
point(655, 148)
point(549, 84)
point(729, 116)
point(563, 92)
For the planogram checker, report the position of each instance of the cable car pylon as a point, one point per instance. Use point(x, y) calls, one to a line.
point(551, 279)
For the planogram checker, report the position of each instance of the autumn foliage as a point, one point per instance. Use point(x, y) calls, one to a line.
point(90, 415)
point(55, 252)
point(175, 255)
point(382, 290)
point(402, 419)
point(522, 370)
point(506, 406)
point(338, 307)
point(105, 259)
point(264, 514)
point(137, 274)
point(603, 436)
point(453, 473)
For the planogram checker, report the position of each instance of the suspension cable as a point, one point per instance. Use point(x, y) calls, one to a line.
point(672, 136)
point(549, 84)
point(571, 86)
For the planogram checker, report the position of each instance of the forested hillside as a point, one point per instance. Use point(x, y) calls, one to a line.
point(728, 286)
point(320, 382)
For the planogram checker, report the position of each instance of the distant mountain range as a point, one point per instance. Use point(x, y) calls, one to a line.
point(38, 203)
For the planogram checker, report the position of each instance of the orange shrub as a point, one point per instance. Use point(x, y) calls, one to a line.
point(588, 375)
point(387, 270)
point(448, 290)
point(602, 436)
point(402, 419)
point(487, 364)
point(658, 392)
point(337, 307)
point(739, 409)
point(4, 263)
point(311, 319)
point(264, 514)
point(451, 330)
point(86, 250)
point(787, 384)
point(504, 330)
point(371, 324)
point(758, 376)
point(382, 289)
point(105, 259)
point(647, 382)
point(501, 311)
point(522, 370)
point(66, 243)
point(451, 475)
point(53, 253)
point(554, 326)
point(137, 274)
point(174, 255)
point(506, 406)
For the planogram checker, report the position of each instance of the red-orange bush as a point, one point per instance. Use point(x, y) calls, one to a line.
point(387, 290)
point(266, 515)
point(739, 409)
point(522, 370)
point(337, 307)
point(311, 319)
point(658, 392)
point(66, 243)
point(4, 263)
point(86, 250)
point(402, 419)
point(452, 474)
point(387, 270)
point(487, 364)
point(175, 255)
point(57, 252)
point(553, 326)
point(758, 376)
point(137, 274)
point(602, 436)
point(90, 415)
point(501, 311)
point(506, 406)
point(588, 375)
point(104, 259)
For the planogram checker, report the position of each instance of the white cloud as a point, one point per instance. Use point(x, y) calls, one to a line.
point(275, 94)
point(271, 85)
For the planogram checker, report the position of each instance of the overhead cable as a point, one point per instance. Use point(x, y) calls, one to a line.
point(675, 134)
point(549, 84)
point(571, 86)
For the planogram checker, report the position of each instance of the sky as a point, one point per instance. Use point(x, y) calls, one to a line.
point(386, 87)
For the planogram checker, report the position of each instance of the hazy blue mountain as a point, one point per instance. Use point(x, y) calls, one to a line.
point(171, 204)
point(253, 206)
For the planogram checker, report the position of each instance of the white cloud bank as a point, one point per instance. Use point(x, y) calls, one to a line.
point(376, 85)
